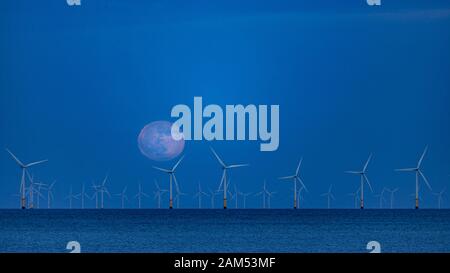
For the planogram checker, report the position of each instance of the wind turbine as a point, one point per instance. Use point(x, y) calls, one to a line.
point(440, 196)
point(171, 174)
point(236, 195)
point(50, 194)
point(178, 195)
point(300, 196)
point(392, 195)
point(264, 193)
point(418, 171)
point(82, 194)
point(245, 195)
point(199, 195)
point(296, 177)
point(355, 196)
point(139, 195)
point(158, 193)
point(364, 178)
point(38, 191)
point(24, 168)
point(329, 195)
point(71, 196)
point(212, 194)
point(381, 197)
point(102, 189)
point(223, 180)
point(123, 196)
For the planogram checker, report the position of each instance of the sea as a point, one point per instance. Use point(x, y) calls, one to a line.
point(218, 230)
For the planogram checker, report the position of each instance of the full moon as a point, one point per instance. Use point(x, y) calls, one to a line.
point(155, 141)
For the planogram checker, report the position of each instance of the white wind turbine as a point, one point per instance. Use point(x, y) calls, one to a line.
point(364, 178)
point(123, 196)
point(265, 194)
point(296, 177)
point(82, 195)
point(245, 195)
point(199, 194)
point(158, 193)
point(392, 196)
point(102, 189)
point(24, 168)
point(236, 195)
point(223, 180)
point(71, 196)
point(171, 174)
point(212, 194)
point(300, 196)
point(139, 195)
point(440, 197)
point(178, 195)
point(417, 170)
point(381, 197)
point(355, 197)
point(38, 191)
point(329, 196)
point(50, 194)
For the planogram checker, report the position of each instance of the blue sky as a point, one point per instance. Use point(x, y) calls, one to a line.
point(77, 84)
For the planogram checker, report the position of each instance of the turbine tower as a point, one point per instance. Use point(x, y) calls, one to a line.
point(364, 178)
point(418, 171)
point(296, 177)
point(171, 174)
point(223, 180)
point(355, 197)
point(245, 195)
point(24, 168)
point(329, 196)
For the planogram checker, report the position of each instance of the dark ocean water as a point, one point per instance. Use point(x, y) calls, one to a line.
point(234, 230)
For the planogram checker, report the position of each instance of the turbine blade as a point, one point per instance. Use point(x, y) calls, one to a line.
point(353, 172)
point(176, 183)
point(367, 163)
point(178, 163)
point(16, 159)
point(421, 158)
point(368, 183)
point(303, 185)
point(36, 163)
point(221, 180)
point(161, 169)
point(425, 179)
point(406, 170)
point(298, 166)
point(237, 166)
point(287, 177)
point(218, 158)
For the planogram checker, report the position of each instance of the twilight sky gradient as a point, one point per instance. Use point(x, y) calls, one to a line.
point(77, 84)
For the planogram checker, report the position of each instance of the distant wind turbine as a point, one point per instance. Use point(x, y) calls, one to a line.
point(50, 194)
point(296, 177)
point(71, 196)
point(199, 194)
point(355, 197)
point(392, 196)
point(223, 180)
point(212, 194)
point(381, 198)
point(178, 195)
point(329, 196)
point(439, 196)
point(24, 168)
point(171, 174)
point(418, 171)
point(364, 178)
point(139, 195)
point(158, 193)
point(82, 195)
point(123, 196)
